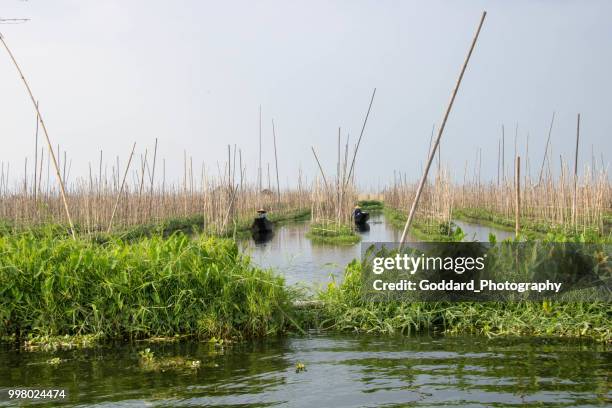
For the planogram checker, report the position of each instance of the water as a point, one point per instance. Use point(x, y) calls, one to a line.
point(301, 261)
point(341, 371)
point(478, 232)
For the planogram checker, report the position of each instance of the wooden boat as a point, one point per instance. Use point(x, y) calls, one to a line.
point(365, 227)
point(261, 224)
point(262, 237)
point(361, 217)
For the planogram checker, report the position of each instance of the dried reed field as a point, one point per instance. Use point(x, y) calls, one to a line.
point(553, 202)
point(126, 198)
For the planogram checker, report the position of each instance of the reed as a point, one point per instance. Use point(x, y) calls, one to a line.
point(571, 203)
point(118, 202)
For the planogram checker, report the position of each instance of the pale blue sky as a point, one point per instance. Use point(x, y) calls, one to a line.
point(193, 74)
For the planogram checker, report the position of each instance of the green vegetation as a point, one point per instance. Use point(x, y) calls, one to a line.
point(148, 361)
point(149, 283)
point(346, 309)
point(371, 206)
point(157, 286)
point(242, 227)
point(65, 342)
point(422, 230)
point(533, 229)
point(165, 228)
point(332, 233)
point(189, 225)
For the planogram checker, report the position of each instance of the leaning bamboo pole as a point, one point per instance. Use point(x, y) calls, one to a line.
point(110, 223)
point(440, 131)
point(44, 127)
point(365, 121)
point(546, 147)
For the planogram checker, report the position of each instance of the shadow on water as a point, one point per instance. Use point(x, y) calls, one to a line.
point(341, 370)
point(261, 237)
point(365, 227)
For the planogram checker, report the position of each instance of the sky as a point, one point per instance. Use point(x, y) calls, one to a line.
point(193, 74)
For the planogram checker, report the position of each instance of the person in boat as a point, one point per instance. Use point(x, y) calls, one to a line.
point(261, 224)
point(357, 212)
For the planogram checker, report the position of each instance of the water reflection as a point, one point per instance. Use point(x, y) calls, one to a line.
point(478, 232)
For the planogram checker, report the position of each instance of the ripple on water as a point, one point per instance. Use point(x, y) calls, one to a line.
point(341, 371)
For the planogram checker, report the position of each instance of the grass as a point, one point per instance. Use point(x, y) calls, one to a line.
point(345, 309)
point(187, 225)
point(332, 233)
point(57, 293)
point(158, 286)
point(533, 229)
point(371, 206)
point(436, 232)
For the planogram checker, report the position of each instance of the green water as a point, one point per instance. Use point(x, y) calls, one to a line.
point(341, 371)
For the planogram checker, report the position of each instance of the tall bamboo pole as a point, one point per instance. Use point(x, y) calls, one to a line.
point(574, 214)
point(259, 175)
point(517, 196)
point(276, 163)
point(152, 178)
point(440, 131)
point(44, 127)
point(503, 155)
point(365, 121)
point(110, 223)
point(546, 148)
point(320, 168)
point(36, 157)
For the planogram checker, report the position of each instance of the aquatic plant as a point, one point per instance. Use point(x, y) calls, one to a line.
point(152, 287)
point(372, 206)
point(65, 342)
point(332, 233)
point(53, 361)
point(426, 230)
point(346, 309)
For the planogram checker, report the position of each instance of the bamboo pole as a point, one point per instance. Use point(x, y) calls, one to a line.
point(320, 168)
point(276, 163)
point(546, 148)
point(110, 223)
point(44, 127)
point(365, 121)
point(152, 178)
point(440, 131)
point(259, 176)
point(574, 199)
point(36, 158)
point(517, 196)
